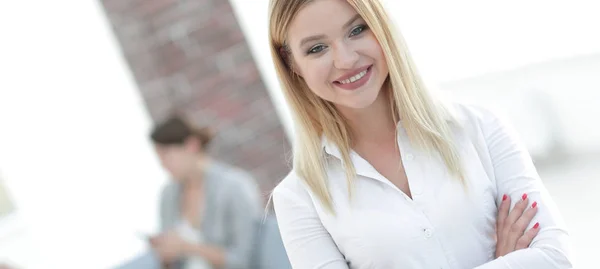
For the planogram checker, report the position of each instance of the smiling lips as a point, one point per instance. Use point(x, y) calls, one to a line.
point(354, 79)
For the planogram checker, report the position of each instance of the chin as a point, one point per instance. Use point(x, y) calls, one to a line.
point(366, 100)
point(358, 104)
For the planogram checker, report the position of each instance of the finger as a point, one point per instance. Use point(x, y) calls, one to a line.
point(503, 212)
point(527, 217)
point(518, 228)
point(525, 240)
point(516, 212)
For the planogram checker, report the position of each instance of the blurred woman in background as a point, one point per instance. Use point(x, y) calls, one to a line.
point(210, 210)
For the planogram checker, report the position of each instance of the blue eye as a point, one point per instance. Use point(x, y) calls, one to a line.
point(316, 49)
point(357, 30)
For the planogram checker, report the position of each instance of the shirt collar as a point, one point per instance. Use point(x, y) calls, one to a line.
point(330, 148)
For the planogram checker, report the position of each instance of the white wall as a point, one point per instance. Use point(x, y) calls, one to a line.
point(73, 137)
point(552, 100)
point(464, 38)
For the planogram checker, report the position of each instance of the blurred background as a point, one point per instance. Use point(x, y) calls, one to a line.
point(84, 80)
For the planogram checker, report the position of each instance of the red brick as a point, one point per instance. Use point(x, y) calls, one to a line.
point(116, 5)
point(173, 58)
point(148, 8)
point(191, 56)
point(201, 69)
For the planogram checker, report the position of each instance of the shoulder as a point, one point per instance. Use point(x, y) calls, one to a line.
point(292, 185)
point(483, 127)
point(169, 190)
point(291, 182)
point(487, 129)
point(234, 181)
point(230, 176)
point(473, 114)
point(475, 120)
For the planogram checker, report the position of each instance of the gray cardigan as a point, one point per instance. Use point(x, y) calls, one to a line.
point(231, 212)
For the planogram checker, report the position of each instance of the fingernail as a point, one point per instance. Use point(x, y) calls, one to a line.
point(537, 225)
point(534, 205)
point(524, 196)
point(504, 197)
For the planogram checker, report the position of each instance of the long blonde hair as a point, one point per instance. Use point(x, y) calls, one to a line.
point(426, 120)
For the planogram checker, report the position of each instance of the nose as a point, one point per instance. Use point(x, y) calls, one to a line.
point(344, 56)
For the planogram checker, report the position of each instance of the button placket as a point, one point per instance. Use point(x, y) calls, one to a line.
point(410, 162)
point(428, 232)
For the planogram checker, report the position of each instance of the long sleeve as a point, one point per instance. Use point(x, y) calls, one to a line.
point(516, 175)
point(307, 242)
point(243, 215)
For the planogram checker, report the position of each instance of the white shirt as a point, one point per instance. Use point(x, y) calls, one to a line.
point(442, 226)
point(194, 236)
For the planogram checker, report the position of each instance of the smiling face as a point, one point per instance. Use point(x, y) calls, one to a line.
point(336, 54)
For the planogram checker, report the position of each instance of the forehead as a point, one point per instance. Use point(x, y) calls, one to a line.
point(319, 18)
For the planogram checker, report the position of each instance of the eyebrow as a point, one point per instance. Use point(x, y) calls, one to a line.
point(317, 37)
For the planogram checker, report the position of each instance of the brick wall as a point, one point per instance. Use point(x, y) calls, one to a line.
point(191, 55)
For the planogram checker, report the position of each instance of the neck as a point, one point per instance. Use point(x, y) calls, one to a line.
point(372, 123)
point(196, 178)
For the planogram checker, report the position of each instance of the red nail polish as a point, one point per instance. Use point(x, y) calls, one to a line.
point(504, 197)
point(534, 205)
point(537, 225)
point(524, 196)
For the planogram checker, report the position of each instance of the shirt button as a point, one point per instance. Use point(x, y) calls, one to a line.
point(409, 157)
point(428, 233)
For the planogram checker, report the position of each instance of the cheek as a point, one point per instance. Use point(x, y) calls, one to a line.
point(376, 52)
point(316, 75)
point(171, 163)
point(382, 64)
point(167, 164)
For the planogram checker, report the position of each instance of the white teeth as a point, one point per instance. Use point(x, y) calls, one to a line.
point(354, 78)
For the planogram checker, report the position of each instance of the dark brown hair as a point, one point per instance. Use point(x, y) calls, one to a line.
point(175, 130)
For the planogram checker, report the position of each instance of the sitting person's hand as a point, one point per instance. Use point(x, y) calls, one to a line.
point(510, 226)
point(169, 246)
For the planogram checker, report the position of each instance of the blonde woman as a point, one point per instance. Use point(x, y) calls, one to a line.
point(387, 176)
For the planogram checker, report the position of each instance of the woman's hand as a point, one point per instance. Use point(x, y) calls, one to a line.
point(169, 246)
point(510, 229)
